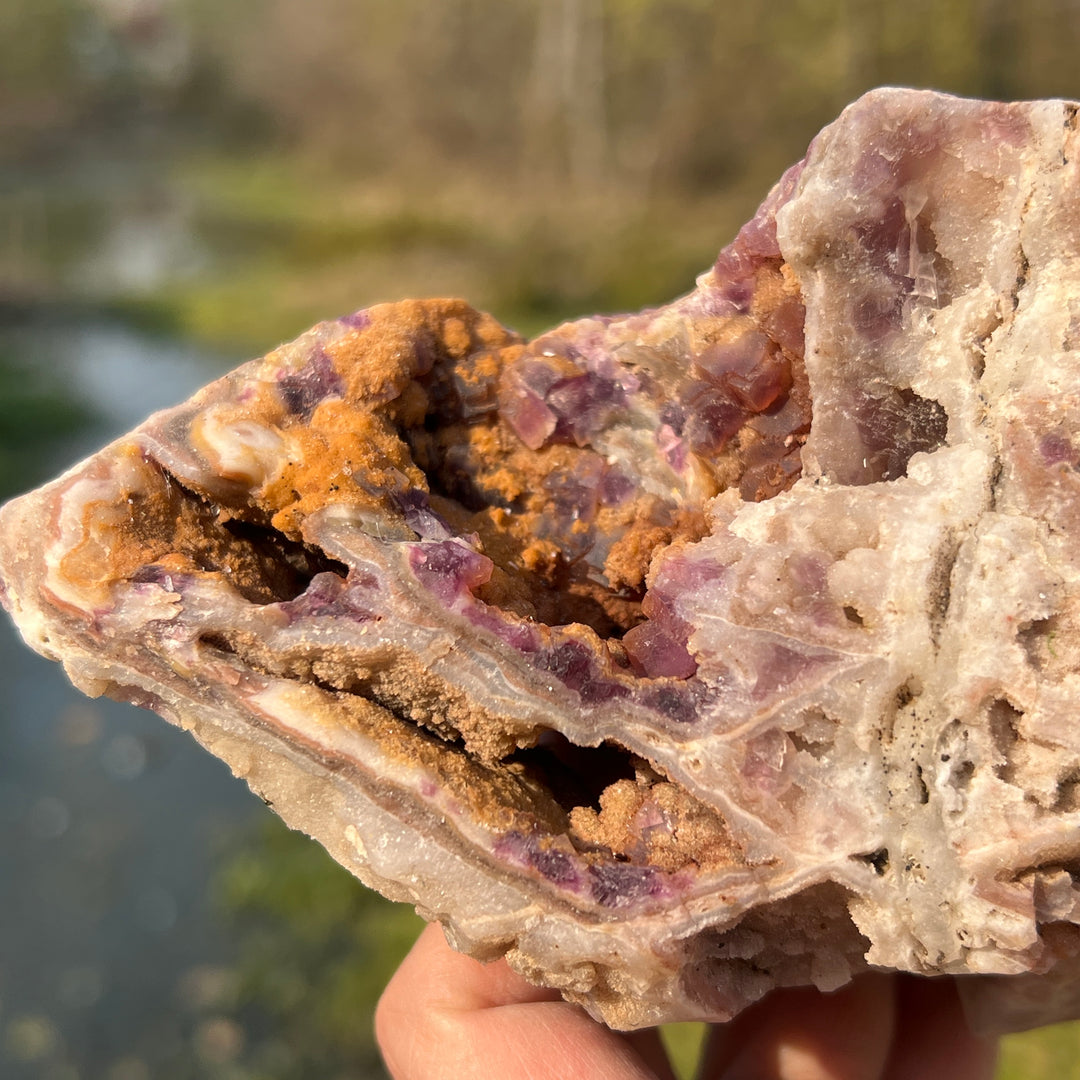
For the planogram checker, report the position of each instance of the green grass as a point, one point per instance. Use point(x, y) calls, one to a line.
point(315, 950)
point(37, 411)
point(684, 1044)
point(289, 246)
point(1050, 1053)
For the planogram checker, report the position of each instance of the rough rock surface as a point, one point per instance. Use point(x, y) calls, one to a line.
point(679, 655)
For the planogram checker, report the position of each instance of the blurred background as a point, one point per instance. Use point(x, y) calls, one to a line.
point(186, 183)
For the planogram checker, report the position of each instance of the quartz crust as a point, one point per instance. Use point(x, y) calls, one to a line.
point(675, 656)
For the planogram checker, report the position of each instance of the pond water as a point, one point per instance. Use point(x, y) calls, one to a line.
point(109, 818)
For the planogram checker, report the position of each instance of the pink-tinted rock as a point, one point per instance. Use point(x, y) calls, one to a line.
point(675, 656)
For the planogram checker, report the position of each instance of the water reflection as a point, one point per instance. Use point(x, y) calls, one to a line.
point(110, 817)
point(119, 373)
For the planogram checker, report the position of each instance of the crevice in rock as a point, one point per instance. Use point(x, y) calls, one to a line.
point(921, 789)
point(1003, 719)
point(603, 802)
point(996, 474)
point(1067, 798)
point(816, 733)
point(178, 531)
point(895, 424)
point(290, 566)
point(906, 693)
point(816, 750)
point(1059, 864)
point(978, 358)
point(1023, 266)
point(852, 615)
point(218, 642)
point(1037, 640)
point(574, 471)
point(576, 776)
point(939, 586)
point(540, 516)
point(961, 774)
point(954, 750)
point(1021, 278)
point(878, 860)
point(1070, 127)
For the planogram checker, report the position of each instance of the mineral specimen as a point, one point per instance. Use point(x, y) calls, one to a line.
point(675, 656)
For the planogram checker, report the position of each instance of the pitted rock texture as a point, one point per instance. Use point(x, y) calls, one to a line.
point(676, 656)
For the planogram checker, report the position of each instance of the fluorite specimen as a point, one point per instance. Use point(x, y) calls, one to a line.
point(675, 656)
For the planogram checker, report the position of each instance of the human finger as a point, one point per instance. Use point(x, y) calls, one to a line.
point(803, 1034)
point(446, 1017)
point(933, 1037)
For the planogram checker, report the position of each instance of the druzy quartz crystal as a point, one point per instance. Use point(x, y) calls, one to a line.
point(675, 656)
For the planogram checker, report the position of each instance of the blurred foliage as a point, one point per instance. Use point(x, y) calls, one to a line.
point(37, 411)
point(315, 950)
point(541, 158)
point(1051, 1052)
point(684, 1044)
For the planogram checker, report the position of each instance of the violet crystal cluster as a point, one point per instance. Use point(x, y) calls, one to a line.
point(675, 656)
